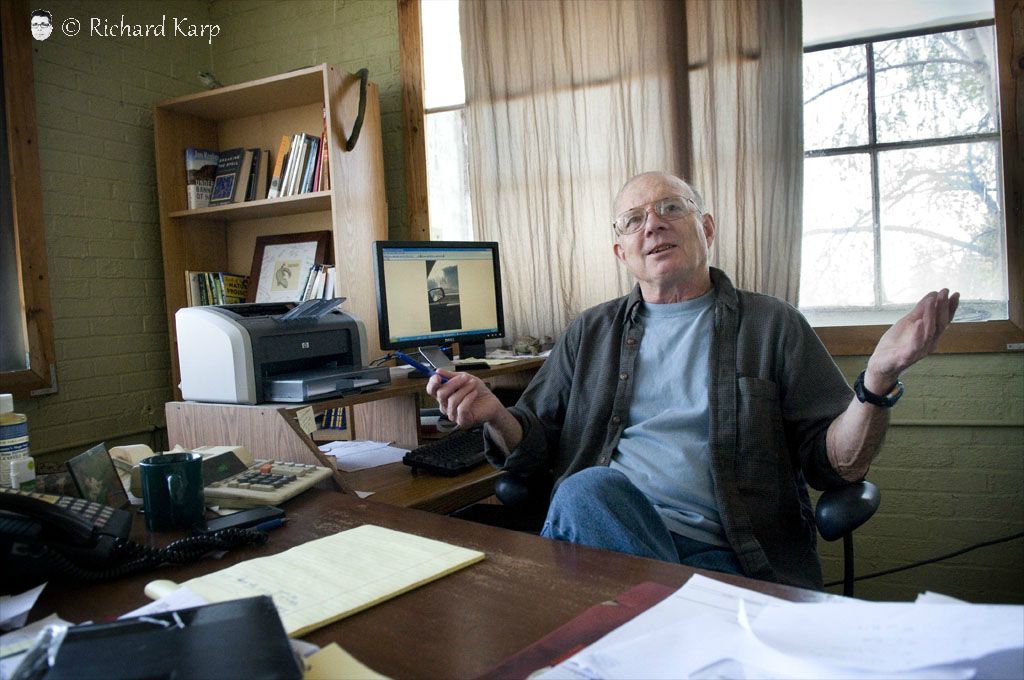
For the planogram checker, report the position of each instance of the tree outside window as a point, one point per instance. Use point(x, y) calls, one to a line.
point(902, 189)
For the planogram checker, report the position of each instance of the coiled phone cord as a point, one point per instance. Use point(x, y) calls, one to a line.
point(139, 558)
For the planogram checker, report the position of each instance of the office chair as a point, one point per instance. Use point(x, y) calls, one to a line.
point(525, 498)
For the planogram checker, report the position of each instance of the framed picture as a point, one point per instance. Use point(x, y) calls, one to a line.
point(280, 265)
point(96, 479)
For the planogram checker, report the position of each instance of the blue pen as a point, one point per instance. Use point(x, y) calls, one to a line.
point(270, 524)
point(420, 368)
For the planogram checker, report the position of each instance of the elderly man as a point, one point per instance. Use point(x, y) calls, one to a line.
point(684, 421)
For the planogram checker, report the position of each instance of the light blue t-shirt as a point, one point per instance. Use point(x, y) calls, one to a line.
point(664, 448)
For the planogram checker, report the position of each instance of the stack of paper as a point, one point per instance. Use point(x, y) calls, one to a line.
point(359, 455)
point(709, 629)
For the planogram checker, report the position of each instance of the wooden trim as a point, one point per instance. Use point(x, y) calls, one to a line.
point(1010, 61)
point(410, 69)
point(960, 338)
point(27, 202)
point(991, 336)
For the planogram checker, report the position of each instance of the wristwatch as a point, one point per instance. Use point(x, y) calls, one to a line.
point(886, 400)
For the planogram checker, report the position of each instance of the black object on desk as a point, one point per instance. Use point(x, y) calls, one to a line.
point(237, 639)
point(459, 452)
point(472, 366)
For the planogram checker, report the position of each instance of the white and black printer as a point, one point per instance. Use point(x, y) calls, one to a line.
point(270, 352)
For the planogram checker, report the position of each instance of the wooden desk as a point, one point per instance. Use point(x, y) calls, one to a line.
point(390, 413)
point(456, 627)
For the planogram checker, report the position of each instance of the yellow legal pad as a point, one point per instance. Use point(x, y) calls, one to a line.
point(332, 577)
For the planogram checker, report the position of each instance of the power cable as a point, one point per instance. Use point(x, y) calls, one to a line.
point(932, 560)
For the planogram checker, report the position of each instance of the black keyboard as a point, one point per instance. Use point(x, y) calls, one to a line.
point(459, 452)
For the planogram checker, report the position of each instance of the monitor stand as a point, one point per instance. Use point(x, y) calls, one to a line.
point(472, 350)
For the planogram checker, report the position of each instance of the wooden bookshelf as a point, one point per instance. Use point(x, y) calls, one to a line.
point(258, 114)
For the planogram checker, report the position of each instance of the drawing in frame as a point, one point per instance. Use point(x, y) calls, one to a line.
point(281, 263)
point(96, 478)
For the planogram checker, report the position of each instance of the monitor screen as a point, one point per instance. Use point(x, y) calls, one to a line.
point(437, 292)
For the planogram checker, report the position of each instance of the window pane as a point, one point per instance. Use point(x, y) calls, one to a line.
point(936, 85)
point(448, 177)
point(443, 83)
point(837, 260)
point(835, 98)
point(941, 223)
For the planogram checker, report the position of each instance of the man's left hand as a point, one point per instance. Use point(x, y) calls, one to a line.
point(910, 339)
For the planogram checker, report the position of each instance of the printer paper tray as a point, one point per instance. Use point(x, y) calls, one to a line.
point(323, 383)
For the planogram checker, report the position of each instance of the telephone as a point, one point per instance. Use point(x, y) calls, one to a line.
point(46, 536)
point(34, 524)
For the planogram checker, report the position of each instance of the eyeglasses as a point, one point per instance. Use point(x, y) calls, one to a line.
point(672, 208)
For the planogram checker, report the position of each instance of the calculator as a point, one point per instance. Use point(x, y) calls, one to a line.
point(230, 483)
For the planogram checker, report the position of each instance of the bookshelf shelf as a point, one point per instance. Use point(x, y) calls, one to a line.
point(257, 114)
point(268, 207)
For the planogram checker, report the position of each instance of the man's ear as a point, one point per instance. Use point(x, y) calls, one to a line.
point(617, 249)
point(709, 229)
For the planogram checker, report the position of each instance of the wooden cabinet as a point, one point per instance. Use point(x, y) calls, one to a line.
point(258, 114)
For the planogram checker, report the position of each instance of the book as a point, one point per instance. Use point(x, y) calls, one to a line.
point(279, 167)
point(307, 287)
point(263, 175)
point(325, 165)
point(329, 283)
point(229, 167)
point(307, 176)
point(293, 155)
point(200, 171)
point(234, 287)
point(215, 288)
point(298, 161)
point(245, 171)
point(250, 188)
point(319, 156)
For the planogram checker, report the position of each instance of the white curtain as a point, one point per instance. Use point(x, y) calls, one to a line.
point(567, 99)
point(746, 104)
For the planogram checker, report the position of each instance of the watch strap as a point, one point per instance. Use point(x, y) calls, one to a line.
point(887, 400)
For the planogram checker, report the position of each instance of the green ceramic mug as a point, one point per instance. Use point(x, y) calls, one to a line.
point(172, 490)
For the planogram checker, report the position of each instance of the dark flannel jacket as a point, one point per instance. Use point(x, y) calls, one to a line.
point(774, 390)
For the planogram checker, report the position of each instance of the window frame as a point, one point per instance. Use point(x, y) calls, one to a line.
point(27, 206)
point(968, 337)
point(984, 336)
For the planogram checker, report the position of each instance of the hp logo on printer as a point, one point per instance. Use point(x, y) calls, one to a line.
point(305, 345)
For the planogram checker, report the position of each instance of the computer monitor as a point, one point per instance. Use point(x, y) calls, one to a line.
point(438, 292)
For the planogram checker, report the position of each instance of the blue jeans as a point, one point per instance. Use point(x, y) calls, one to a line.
point(601, 508)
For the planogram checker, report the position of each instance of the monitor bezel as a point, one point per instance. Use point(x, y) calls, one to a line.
point(461, 337)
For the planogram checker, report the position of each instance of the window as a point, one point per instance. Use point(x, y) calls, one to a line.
point(902, 189)
point(27, 357)
point(444, 97)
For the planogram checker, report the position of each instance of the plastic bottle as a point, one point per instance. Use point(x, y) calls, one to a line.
point(17, 469)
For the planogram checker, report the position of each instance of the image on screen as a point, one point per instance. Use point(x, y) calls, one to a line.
point(434, 292)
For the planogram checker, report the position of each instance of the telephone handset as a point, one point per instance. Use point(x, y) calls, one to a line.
point(32, 524)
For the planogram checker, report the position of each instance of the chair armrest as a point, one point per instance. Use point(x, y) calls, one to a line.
point(842, 510)
point(527, 491)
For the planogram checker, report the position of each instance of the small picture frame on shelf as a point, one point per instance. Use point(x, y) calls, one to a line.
point(281, 264)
